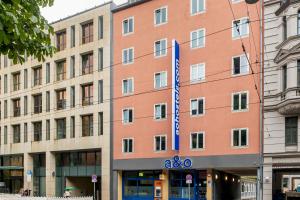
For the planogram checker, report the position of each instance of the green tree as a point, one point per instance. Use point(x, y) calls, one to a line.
point(24, 29)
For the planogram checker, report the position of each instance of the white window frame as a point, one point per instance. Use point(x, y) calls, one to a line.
point(160, 80)
point(123, 139)
point(236, 1)
point(191, 38)
point(198, 12)
point(233, 29)
point(197, 99)
point(128, 62)
point(132, 80)
point(154, 114)
point(247, 135)
point(166, 49)
point(197, 65)
point(154, 143)
point(162, 23)
point(191, 141)
point(240, 100)
point(232, 65)
point(129, 33)
point(130, 108)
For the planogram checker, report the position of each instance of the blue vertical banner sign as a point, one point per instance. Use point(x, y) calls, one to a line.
point(175, 95)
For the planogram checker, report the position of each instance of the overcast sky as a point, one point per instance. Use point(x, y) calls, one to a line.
point(64, 8)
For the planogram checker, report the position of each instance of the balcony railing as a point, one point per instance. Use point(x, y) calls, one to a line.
point(61, 104)
point(17, 112)
point(37, 109)
point(87, 101)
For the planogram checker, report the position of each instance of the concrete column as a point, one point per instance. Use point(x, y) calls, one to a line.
point(50, 179)
point(105, 169)
point(120, 192)
point(209, 188)
point(28, 165)
point(267, 179)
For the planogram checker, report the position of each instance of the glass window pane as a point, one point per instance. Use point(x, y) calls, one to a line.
point(244, 101)
point(236, 138)
point(243, 137)
point(236, 103)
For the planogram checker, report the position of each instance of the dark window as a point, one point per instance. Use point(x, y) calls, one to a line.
point(72, 36)
point(298, 22)
point(72, 98)
point(100, 91)
point(61, 40)
point(47, 72)
point(197, 106)
point(87, 125)
point(17, 107)
point(37, 76)
point(291, 131)
point(37, 131)
point(284, 26)
point(61, 128)
point(284, 77)
point(72, 127)
point(72, 67)
point(48, 129)
point(5, 134)
point(87, 63)
point(298, 73)
point(17, 133)
point(100, 59)
point(100, 123)
point(87, 95)
point(127, 145)
point(100, 27)
point(25, 132)
point(25, 78)
point(16, 81)
point(61, 99)
point(160, 143)
point(61, 70)
point(48, 101)
point(87, 33)
point(37, 103)
point(197, 141)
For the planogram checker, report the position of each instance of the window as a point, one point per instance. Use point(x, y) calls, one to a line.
point(48, 101)
point(100, 91)
point(87, 33)
point(47, 72)
point(61, 40)
point(5, 84)
point(100, 27)
point(61, 128)
point(61, 99)
point(128, 56)
point(127, 116)
point(298, 22)
point(87, 125)
point(73, 36)
point(197, 72)
point(197, 106)
point(128, 26)
point(197, 6)
point(100, 123)
point(37, 131)
point(160, 80)
point(298, 73)
point(72, 67)
point(87, 94)
point(16, 81)
point(240, 101)
point(160, 48)
point(72, 99)
point(48, 129)
point(72, 127)
point(240, 137)
point(25, 132)
point(161, 16)
point(197, 38)
point(5, 61)
point(291, 131)
point(61, 70)
point(5, 109)
point(197, 140)
point(127, 86)
point(240, 28)
point(17, 133)
point(25, 105)
point(100, 59)
point(160, 111)
point(236, 1)
point(160, 143)
point(127, 145)
point(5, 134)
point(87, 63)
point(25, 78)
point(37, 103)
point(284, 28)
point(240, 65)
point(37, 76)
point(284, 78)
point(17, 107)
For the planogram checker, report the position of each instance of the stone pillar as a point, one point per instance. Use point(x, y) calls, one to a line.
point(267, 179)
point(209, 189)
point(105, 171)
point(28, 166)
point(120, 192)
point(165, 185)
point(50, 174)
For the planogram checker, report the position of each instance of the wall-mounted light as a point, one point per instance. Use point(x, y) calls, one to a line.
point(233, 180)
point(226, 178)
point(251, 1)
point(216, 176)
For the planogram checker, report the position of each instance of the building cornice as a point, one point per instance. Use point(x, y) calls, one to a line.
point(129, 5)
point(285, 6)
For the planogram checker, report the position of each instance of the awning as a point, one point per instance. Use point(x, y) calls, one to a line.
point(11, 168)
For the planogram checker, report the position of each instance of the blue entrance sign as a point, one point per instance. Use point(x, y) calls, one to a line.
point(178, 163)
point(175, 95)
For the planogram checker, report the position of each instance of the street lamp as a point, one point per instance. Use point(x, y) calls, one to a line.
point(251, 1)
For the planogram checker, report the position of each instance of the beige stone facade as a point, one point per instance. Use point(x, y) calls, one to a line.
point(78, 88)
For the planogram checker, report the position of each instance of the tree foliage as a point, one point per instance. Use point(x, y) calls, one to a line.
point(24, 29)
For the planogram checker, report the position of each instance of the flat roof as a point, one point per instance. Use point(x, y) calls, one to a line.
point(128, 5)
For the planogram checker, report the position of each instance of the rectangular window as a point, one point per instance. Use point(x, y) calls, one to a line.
point(100, 27)
point(240, 101)
point(16, 81)
point(284, 78)
point(72, 99)
point(72, 67)
point(127, 145)
point(161, 16)
point(100, 59)
point(5, 84)
point(61, 70)
point(127, 86)
point(25, 78)
point(197, 38)
point(25, 105)
point(160, 143)
point(128, 26)
point(240, 137)
point(25, 133)
point(298, 73)
point(47, 72)
point(284, 27)
point(17, 107)
point(298, 22)
point(72, 36)
point(197, 141)
point(87, 95)
point(5, 134)
point(197, 72)
point(37, 131)
point(17, 134)
point(5, 61)
point(48, 101)
point(100, 91)
point(37, 103)
point(61, 128)
point(160, 111)
point(291, 131)
point(72, 127)
point(37, 76)
point(61, 40)
point(197, 6)
point(87, 33)
point(5, 109)
point(160, 80)
point(48, 129)
point(127, 116)
point(240, 65)
point(240, 28)
point(61, 99)
point(128, 56)
point(160, 48)
point(197, 106)
point(100, 123)
point(87, 125)
point(87, 63)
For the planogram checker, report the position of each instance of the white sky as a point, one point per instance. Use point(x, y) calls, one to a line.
point(64, 8)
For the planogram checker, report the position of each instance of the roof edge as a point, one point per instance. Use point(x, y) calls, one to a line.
point(128, 5)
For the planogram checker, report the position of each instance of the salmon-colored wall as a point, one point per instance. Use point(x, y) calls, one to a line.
point(217, 56)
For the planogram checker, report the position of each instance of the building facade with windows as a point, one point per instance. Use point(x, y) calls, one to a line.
point(55, 115)
point(218, 100)
point(281, 98)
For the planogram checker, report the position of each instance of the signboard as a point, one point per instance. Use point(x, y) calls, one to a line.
point(175, 95)
point(178, 163)
point(94, 178)
point(189, 179)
